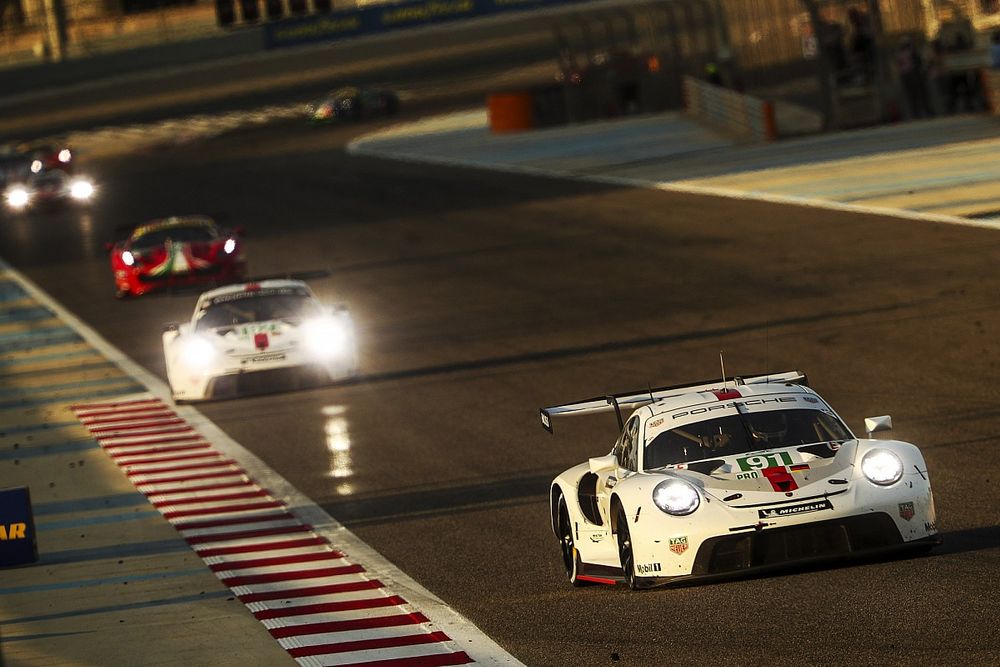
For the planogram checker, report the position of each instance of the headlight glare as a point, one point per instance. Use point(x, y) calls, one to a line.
point(325, 337)
point(882, 467)
point(81, 190)
point(18, 197)
point(196, 352)
point(229, 246)
point(128, 258)
point(676, 497)
point(65, 155)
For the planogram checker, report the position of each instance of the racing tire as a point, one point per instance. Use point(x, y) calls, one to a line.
point(570, 556)
point(625, 553)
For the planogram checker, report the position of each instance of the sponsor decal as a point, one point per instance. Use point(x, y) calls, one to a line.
point(654, 423)
point(930, 526)
point(274, 356)
point(799, 467)
point(777, 512)
point(724, 406)
point(260, 340)
point(906, 511)
point(810, 399)
point(678, 544)
point(753, 474)
point(761, 461)
point(647, 568)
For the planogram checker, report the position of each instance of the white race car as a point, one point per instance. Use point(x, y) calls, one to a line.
point(719, 479)
point(258, 336)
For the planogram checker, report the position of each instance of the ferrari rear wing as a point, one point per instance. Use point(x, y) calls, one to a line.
point(634, 399)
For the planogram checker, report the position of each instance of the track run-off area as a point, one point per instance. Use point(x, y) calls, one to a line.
point(481, 296)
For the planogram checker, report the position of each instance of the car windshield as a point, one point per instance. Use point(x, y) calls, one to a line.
point(742, 433)
point(177, 234)
point(258, 308)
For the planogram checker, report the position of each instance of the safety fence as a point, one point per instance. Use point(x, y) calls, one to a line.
point(742, 115)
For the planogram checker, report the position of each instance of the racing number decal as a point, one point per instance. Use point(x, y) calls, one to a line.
point(762, 461)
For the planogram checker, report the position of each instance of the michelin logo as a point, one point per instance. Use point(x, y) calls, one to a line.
point(778, 512)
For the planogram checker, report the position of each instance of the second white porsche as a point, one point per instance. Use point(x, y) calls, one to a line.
point(258, 336)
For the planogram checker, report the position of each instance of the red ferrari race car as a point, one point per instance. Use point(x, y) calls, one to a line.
point(175, 252)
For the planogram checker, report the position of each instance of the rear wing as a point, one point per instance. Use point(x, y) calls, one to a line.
point(634, 399)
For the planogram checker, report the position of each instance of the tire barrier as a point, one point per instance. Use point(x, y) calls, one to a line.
point(745, 116)
point(511, 112)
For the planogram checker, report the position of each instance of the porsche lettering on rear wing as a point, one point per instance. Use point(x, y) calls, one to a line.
point(635, 399)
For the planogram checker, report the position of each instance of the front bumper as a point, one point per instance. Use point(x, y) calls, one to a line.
point(858, 537)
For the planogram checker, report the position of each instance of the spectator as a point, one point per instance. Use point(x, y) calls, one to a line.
point(914, 79)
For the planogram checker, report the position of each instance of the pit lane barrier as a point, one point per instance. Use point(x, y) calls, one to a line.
point(744, 116)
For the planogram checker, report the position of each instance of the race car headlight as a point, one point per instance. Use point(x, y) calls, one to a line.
point(882, 467)
point(196, 352)
point(128, 258)
point(326, 337)
point(65, 155)
point(81, 190)
point(18, 197)
point(36, 166)
point(676, 497)
point(229, 246)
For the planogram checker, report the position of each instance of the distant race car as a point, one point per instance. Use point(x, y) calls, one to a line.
point(720, 479)
point(174, 252)
point(48, 188)
point(353, 103)
point(48, 156)
point(258, 336)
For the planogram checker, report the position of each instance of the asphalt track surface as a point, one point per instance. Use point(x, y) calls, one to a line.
point(482, 296)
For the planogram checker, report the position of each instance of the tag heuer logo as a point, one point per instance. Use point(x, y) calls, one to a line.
point(906, 511)
point(678, 544)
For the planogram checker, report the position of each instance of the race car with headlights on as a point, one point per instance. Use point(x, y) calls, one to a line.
point(175, 252)
point(255, 337)
point(353, 103)
point(727, 478)
point(48, 189)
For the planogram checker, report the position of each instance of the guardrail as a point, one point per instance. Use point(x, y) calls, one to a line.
point(385, 18)
point(745, 116)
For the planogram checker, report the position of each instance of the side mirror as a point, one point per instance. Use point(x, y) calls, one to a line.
point(876, 424)
point(240, 230)
point(600, 464)
point(171, 326)
point(109, 245)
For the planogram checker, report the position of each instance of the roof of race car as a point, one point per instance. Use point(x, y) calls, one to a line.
point(173, 221)
point(723, 393)
point(262, 286)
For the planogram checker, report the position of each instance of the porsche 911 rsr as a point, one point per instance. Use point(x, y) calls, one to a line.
point(720, 479)
point(175, 252)
point(256, 337)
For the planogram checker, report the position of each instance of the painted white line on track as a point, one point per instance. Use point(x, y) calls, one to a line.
point(441, 624)
point(363, 146)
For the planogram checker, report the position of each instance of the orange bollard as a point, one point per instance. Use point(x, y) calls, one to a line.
point(510, 112)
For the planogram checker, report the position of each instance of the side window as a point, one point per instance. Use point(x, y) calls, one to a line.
point(629, 458)
point(619, 449)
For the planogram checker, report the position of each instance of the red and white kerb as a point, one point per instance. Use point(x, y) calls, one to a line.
point(321, 607)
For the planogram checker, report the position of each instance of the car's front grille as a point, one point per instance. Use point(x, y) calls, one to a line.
point(776, 546)
point(266, 381)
